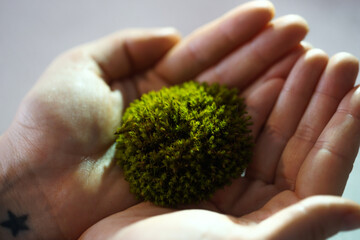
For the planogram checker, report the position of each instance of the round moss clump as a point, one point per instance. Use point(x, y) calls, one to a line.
point(180, 144)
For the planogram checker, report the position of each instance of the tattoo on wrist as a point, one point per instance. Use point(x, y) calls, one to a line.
point(14, 223)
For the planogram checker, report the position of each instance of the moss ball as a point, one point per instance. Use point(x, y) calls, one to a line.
point(179, 145)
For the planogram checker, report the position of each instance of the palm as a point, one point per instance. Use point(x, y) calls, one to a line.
point(75, 108)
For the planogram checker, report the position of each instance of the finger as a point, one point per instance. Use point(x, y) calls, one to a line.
point(286, 115)
point(212, 42)
point(313, 218)
point(337, 80)
point(281, 69)
point(243, 65)
point(329, 163)
point(260, 107)
point(126, 52)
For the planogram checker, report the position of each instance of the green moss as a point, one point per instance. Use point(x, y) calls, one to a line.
point(180, 144)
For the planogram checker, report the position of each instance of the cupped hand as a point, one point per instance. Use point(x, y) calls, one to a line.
point(305, 127)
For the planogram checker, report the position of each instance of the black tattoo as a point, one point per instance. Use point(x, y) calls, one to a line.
point(15, 224)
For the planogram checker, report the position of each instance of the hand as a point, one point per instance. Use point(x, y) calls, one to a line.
point(307, 136)
point(306, 127)
point(313, 218)
point(58, 150)
point(300, 152)
point(306, 130)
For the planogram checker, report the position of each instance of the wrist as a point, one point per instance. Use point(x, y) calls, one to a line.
point(24, 212)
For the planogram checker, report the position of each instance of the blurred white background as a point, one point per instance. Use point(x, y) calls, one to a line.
point(32, 33)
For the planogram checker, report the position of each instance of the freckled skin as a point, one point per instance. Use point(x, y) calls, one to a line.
point(180, 144)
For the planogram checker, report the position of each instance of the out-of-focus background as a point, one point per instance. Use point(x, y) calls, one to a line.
point(32, 33)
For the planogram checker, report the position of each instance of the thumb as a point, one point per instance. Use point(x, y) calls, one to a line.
point(129, 51)
point(317, 217)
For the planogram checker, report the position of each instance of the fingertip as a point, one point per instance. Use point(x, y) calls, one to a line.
point(261, 8)
point(344, 66)
point(294, 22)
point(316, 54)
point(298, 20)
point(347, 60)
point(315, 57)
point(292, 27)
point(306, 45)
point(169, 33)
point(346, 56)
point(345, 209)
point(260, 4)
point(265, 5)
point(352, 221)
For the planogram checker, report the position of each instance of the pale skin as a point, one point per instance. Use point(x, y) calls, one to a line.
point(56, 158)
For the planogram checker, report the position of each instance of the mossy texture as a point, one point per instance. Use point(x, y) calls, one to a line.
point(180, 144)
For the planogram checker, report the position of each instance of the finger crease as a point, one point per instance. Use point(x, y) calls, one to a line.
point(306, 133)
point(349, 113)
point(325, 146)
point(275, 132)
point(327, 95)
